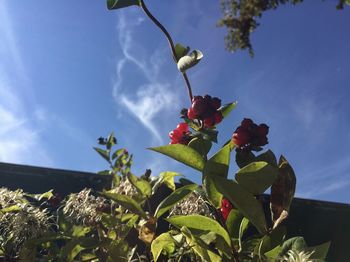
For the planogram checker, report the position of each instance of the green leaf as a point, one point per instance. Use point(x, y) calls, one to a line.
point(295, 243)
point(46, 195)
point(211, 190)
point(202, 146)
point(126, 202)
point(168, 179)
point(244, 201)
point(257, 177)
point(273, 254)
point(76, 245)
point(216, 166)
point(233, 223)
point(268, 157)
point(13, 208)
point(199, 247)
point(181, 51)
point(242, 229)
point(209, 134)
point(320, 251)
point(174, 198)
point(141, 185)
point(117, 153)
point(199, 224)
point(244, 158)
point(282, 190)
point(110, 141)
point(116, 4)
point(226, 109)
point(103, 153)
point(183, 154)
point(163, 242)
point(189, 61)
point(270, 241)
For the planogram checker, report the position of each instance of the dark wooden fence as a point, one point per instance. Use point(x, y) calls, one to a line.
point(317, 221)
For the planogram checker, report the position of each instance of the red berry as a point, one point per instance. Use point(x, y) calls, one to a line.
point(241, 137)
point(200, 108)
point(209, 122)
point(190, 114)
point(175, 135)
point(262, 141)
point(218, 117)
point(247, 122)
point(182, 127)
point(215, 103)
point(262, 130)
point(226, 208)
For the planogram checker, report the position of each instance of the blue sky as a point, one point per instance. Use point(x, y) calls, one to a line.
point(71, 72)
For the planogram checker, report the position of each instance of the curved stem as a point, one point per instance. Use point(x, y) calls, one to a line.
point(171, 44)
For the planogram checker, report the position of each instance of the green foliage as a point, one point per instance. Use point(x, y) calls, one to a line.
point(244, 201)
point(163, 243)
point(183, 154)
point(200, 224)
point(117, 4)
point(174, 198)
point(240, 17)
point(257, 177)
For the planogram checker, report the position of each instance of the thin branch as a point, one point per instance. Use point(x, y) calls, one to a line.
point(171, 44)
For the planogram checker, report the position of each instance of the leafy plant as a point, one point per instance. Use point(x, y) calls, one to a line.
point(152, 218)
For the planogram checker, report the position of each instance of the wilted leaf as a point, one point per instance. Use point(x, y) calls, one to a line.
point(282, 190)
point(257, 177)
point(163, 242)
point(147, 231)
point(126, 202)
point(141, 185)
point(183, 154)
point(199, 224)
point(244, 201)
point(116, 4)
point(189, 61)
point(175, 197)
point(226, 109)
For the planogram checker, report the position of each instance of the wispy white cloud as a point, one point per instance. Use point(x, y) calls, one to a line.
point(20, 140)
point(146, 100)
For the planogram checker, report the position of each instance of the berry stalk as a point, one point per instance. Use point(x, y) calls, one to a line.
point(171, 44)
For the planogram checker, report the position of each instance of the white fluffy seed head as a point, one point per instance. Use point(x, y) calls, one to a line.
point(84, 208)
point(192, 204)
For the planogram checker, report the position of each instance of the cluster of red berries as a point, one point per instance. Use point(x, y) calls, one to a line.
point(250, 135)
point(205, 109)
point(226, 208)
point(180, 135)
